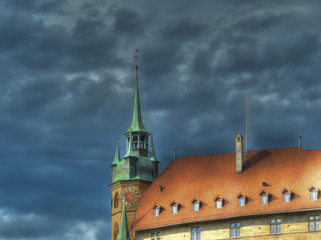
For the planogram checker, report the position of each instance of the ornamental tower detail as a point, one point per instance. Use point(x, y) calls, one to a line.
point(134, 173)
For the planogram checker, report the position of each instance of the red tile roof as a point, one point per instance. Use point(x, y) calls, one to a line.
point(206, 177)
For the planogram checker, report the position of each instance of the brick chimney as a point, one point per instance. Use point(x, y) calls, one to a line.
point(239, 153)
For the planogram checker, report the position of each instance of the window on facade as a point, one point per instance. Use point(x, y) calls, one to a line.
point(275, 227)
point(235, 230)
point(174, 206)
point(196, 205)
point(314, 193)
point(286, 195)
point(156, 209)
point(314, 223)
point(218, 202)
point(242, 200)
point(116, 200)
point(264, 197)
point(196, 233)
point(115, 231)
point(156, 236)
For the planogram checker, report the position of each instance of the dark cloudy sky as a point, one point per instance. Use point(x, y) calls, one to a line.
point(67, 87)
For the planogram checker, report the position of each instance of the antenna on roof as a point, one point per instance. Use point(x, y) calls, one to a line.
point(174, 153)
point(246, 152)
point(300, 141)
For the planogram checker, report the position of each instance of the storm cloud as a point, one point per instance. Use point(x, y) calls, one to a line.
point(67, 73)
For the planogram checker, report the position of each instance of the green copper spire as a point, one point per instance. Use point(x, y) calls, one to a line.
point(130, 152)
point(123, 233)
point(152, 156)
point(137, 123)
point(117, 155)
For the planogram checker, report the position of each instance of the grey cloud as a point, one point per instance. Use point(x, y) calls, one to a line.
point(67, 87)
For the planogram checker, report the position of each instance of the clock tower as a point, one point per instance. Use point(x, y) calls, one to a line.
point(134, 173)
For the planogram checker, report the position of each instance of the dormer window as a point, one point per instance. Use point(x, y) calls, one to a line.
point(196, 205)
point(156, 209)
point(264, 197)
point(242, 200)
point(174, 206)
point(286, 195)
point(218, 202)
point(314, 193)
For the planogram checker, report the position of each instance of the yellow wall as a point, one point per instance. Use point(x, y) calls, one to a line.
point(116, 212)
point(294, 226)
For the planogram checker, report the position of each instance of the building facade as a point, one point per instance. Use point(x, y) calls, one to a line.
point(267, 194)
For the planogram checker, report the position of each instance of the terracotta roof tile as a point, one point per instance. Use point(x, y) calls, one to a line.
point(206, 177)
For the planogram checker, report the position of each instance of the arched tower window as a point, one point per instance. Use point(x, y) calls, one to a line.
point(135, 141)
point(116, 200)
point(115, 231)
point(142, 142)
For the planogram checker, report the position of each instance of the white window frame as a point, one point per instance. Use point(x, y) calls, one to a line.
point(314, 223)
point(196, 206)
point(156, 212)
point(196, 230)
point(156, 236)
point(219, 203)
point(265, 199)
point(287, 197)
point(314, 195)
point(275, 226)
point(242, 201)
point(235, 229)
point(175, 208)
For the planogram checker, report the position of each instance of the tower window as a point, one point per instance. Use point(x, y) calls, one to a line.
point(196, 233)
point(275, 226)
point(116, 200)
point(235, 230)
point(142, 142)
point(314, 223)
point(135, 141)
point(115, 231)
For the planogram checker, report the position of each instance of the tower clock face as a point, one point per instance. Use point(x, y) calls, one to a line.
point(131, 196)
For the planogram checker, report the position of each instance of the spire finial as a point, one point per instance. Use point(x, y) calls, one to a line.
point(123, 233)
point(137, 123)
point(117, 155)
point(152, 156)
point(130, 152)
point(175, 152)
